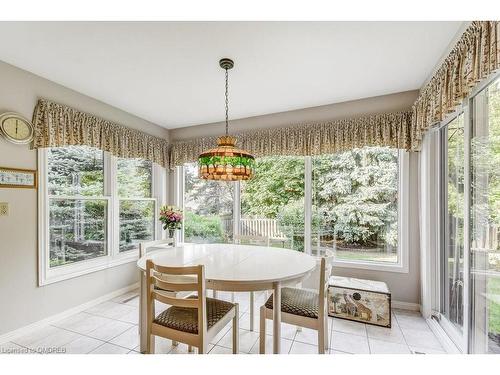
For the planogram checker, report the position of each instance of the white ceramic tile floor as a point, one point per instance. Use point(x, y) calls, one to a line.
point(111, 328)
point(128, 339)
point(347, 326)
point(110, 331)
point(108, 348)
point(82, 345)
point(386, 347)
point(286, 345)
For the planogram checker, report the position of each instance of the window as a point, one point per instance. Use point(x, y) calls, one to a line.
point(272, 203)
point(137, 207)
point(94, 209)
point(78, 209)
point(351, 203)
point(467, 292)
point(208, 207)
point(485, 220)
point(355, 204)
point(452, 219)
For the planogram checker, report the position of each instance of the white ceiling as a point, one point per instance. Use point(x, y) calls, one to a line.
point(168, 73)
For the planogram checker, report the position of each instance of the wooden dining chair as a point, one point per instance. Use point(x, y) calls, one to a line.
point(143, 250)
point(251, 240)
point(302, 308)
point(144, 246)
point(194, 320)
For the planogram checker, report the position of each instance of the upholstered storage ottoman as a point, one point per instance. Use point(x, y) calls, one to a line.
point(359, 300)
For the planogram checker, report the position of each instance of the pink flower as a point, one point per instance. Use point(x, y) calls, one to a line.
point(171, 217)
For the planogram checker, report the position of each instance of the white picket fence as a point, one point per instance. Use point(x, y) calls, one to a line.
point(256, 227)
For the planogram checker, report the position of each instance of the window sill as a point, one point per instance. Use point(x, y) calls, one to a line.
point(71, 271)
point(372, 266)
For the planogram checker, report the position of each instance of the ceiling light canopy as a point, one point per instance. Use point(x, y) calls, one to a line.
point(226, 162)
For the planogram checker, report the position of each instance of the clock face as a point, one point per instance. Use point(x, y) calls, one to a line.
point(16, 129)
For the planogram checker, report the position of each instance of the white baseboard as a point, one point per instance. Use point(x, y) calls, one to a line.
point(9, 336)
point(443, 338)
point(405, 305)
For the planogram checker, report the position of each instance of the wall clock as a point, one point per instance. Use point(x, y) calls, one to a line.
point(15, 128)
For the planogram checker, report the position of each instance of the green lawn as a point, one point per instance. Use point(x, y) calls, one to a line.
point(494, 307)
point(377, 256)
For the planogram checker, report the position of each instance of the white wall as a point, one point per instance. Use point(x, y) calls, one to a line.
point(356, 108)
point(405, 287)
point(22, 301)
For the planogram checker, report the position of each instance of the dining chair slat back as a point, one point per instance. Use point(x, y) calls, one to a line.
point(154, 274)
point(182, 279)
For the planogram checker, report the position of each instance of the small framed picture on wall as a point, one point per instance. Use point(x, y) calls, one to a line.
point(18, 178)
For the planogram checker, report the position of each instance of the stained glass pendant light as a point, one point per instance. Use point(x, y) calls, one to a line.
point(226, 162)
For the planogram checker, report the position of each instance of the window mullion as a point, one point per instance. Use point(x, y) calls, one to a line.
point(158, 193)
point(111, 190)
point(308, 205)
point(43, 217)
point(466, 214)
point(179, 192)
point(236, 208)
point(403, 209)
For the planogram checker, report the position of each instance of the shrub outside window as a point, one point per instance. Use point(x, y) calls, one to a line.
point(94, 210)
point(349, 203)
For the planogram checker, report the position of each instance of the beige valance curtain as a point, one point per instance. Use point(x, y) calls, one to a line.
point(475, 56)
point(389, 129)
point(57, 125)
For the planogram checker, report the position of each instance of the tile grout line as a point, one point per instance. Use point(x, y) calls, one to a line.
point(90, 337)
point(96, 348)
point(368, 339)
point(107, 317)
point(293, 341)
point(87, 334)
point(403, 333)
point(330, 344)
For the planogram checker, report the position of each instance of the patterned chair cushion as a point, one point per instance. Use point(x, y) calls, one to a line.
point(297, 302)
point(186, 318)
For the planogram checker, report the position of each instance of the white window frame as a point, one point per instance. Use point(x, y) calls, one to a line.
point(460, 339)
point(431, 270)
point(403, 263)
point(113, 257)
point(402, 266)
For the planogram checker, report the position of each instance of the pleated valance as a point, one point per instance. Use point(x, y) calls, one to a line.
point(57, 125)
point(474, 58)
point(388, 129)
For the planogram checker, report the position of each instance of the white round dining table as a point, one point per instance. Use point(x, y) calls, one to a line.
point(234, 268)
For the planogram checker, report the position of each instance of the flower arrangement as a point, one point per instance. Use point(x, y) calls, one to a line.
point(171, 217)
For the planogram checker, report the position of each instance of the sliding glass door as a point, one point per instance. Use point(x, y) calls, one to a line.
point(485, 220)
point(452, 280)
point(469, 252)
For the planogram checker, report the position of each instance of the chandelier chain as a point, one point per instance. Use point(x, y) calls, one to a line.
point(226, 162)
point(227, 102)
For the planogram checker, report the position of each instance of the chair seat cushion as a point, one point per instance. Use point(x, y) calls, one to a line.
point(185, 319)
point(297, 302)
